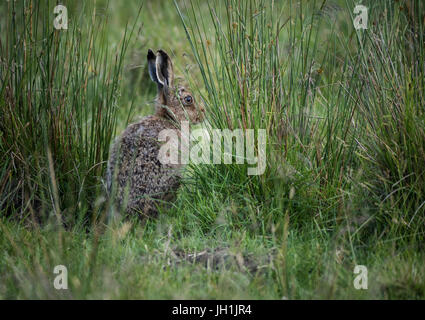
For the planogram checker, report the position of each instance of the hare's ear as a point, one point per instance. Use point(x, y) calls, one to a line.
point(152, 67)
point(164, 69)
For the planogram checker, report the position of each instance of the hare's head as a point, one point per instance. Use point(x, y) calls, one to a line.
point(173, 102)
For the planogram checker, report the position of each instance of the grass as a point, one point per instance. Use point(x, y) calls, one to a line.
point(344, 115)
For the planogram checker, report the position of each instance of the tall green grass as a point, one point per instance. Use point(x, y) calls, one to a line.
point(391, 73)
point(59, 93)
point(266, 65)
point(343, 109)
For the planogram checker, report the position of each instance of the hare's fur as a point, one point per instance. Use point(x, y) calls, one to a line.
point(136, 178)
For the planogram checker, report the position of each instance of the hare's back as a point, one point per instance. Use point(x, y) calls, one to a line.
point(138, 167)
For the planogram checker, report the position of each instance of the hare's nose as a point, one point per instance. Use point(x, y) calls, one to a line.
point(202, 109)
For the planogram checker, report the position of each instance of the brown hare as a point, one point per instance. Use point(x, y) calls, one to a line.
point(136, 178)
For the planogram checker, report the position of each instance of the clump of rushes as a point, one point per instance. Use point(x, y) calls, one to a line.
point(391, 102)
point(266, 65)
point(343, 109)
point(58, 102)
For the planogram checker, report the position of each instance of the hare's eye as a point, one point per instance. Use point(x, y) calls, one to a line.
point(188, 100)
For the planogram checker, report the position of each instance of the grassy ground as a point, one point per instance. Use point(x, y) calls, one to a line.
point(344, 183)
